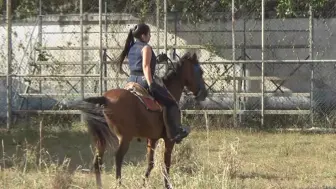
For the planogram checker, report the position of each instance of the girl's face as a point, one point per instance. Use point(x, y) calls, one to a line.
point(146, 38)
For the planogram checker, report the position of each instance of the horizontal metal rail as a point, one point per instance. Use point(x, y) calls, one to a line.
point(286, 94)
point(274, 78)
point(202, 62)
point(228, 46)
point(64, 79)
point(192, 112)
point(67, 78)
point(54, 75)
point(47, 111)
point(38, 95)
point(189, 31)
point(76, 62)
point(90, 76)
point(270, 61)
point(61, 77)
point(65, 63)
point(229, 112)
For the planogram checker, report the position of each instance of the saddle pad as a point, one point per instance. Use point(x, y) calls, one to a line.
point(147, 100)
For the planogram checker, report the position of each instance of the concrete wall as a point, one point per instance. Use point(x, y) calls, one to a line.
point(293, 33)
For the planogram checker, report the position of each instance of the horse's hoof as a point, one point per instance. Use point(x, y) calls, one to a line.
point(144, 182)
point(168, 186)
point(119, 184)
point(99, 186)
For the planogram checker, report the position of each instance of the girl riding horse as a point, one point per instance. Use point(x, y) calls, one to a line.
point(142, 62)
point(118, 115)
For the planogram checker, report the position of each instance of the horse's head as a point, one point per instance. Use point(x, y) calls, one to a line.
point(192, 76)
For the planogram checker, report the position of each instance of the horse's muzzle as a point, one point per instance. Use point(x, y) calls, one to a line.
point(202, 94)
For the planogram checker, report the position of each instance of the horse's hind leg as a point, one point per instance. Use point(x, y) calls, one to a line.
point(167, 160)
point(123, 147)
point(151, 144)
point(98, 161)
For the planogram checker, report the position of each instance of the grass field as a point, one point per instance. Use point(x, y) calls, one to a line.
point(220, 158)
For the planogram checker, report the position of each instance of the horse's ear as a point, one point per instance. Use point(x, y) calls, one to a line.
point(186, 55)
point(194, 56)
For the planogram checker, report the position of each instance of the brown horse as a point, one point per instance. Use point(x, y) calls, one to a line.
point(120, 113)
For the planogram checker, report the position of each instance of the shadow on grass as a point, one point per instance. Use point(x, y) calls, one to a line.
point(59, 144)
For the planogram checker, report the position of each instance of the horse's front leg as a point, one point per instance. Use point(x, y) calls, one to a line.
point(151, 144)
point(169, 145)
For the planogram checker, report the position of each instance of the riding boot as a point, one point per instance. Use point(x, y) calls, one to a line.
point(174, 129)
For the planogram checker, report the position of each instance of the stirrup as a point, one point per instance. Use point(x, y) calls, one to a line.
point(182, 134)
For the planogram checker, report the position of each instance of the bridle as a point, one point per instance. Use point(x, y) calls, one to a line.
point(164, 58)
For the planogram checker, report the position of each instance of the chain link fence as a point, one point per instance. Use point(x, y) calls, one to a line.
point(65, 50)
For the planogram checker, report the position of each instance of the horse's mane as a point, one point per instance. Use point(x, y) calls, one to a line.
point(176, 69)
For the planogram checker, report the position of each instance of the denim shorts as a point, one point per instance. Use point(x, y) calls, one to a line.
point(161, 94)
point(138, 79)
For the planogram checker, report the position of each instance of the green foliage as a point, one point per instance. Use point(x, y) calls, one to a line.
point(26, 8)
point(194, 10)
point(296, 8)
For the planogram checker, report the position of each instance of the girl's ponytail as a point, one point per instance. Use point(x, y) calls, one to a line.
point(129, 42)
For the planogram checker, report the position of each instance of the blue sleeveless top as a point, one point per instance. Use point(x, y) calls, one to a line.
point(135, 59)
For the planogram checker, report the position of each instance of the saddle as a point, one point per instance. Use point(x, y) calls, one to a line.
point(147, 100)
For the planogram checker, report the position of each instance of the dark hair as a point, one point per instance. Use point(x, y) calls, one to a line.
point(135, 32)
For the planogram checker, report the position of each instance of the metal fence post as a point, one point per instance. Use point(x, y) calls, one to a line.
point(262, 60)
point(311, 57)
point(9, 64)
point(40, 24)
point(39, 68)
point(165, 26)
point(100, 48)
point(81, 53)
point(158, 26)
point(243, 72)
point(175, 32)
point(105, 49)
point(234, 66)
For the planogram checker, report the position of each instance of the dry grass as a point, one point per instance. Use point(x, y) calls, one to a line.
point(227, 159)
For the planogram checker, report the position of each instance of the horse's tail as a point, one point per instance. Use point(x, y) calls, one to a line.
point(93, 115)
point(89, 105)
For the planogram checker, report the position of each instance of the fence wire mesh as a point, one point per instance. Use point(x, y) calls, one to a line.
point(50, 49)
